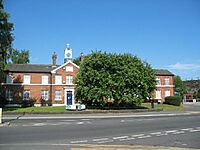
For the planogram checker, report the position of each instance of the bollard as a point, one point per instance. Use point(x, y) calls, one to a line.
point(0, 115)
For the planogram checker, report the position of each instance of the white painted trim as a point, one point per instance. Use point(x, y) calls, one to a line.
point(37, 84)
point(58, 104)
point(69, 61)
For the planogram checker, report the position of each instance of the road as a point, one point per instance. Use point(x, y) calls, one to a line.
point(64, 133)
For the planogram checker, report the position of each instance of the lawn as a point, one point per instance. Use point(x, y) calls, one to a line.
point(51, 109)
point(61, 109)
point(163, 106)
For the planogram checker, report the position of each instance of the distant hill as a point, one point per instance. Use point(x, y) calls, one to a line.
point(192, 85)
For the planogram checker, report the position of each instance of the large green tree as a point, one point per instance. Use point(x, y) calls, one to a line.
point(121, 78)
point(6, 37)
point(180, 87)
point(7, 53)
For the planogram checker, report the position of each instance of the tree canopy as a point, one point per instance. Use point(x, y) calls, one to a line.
point(7, 53)
point(6, 36)
point(122, 79)
point(180, 87)
point(19, 57)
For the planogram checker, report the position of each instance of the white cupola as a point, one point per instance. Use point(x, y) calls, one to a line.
point(68, 54)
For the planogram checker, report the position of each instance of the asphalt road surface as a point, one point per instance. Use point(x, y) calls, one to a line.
point(179, 131)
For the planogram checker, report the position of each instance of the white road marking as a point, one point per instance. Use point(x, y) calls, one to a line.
point(178, 132)
point(137, 135)
point(171, 131)
point(83, 141)
point(80, 123)
point(193, 130)
point(102, 139)
point(187, 129)
point(39, 124)
point(101, 142)
point(127, 139)
point(155, 133)
point(142, 137)
point(120, 137)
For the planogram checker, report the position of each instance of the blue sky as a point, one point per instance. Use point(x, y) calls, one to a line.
point(165, 33)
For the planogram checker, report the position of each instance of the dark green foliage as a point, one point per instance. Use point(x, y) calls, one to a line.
point(180, 87)
point(6, 37)
point(119, 79)
point(173, 100)
point(19, 57)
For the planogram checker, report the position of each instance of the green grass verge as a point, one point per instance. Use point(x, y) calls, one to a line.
point(51, 109)
point(163, 106)
point(60, 109)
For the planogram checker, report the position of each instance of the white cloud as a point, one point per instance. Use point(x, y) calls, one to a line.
point(179, 66)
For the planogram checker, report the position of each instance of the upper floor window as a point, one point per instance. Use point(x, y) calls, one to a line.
point(9, 78)
point(45, 95)
point(167, 81)
point(26, 95)
point(27, 79)
point(158, 81)
point(45, 79)
point(58, 79)
point(9, 95)
point(69, 79)
point(69, 69)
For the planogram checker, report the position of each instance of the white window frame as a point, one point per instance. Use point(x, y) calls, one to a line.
point(167, 81)
point(158, 94)
point(9, 95)
point(58, 79)
point(9, 78)
point(27, 79)
point(45, 95)
point(45, 79)
point(69, 79)
point(58, 95)
point(167, 93)
point(158, 81)
point(25, 97)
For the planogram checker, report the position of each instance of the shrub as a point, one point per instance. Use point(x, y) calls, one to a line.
point(173, 100)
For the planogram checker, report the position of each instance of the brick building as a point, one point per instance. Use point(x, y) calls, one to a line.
point(165, 84)
point(54, 83)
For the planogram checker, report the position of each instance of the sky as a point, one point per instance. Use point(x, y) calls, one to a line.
point(164, 33)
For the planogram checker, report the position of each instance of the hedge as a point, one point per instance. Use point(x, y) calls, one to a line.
point(173, 100)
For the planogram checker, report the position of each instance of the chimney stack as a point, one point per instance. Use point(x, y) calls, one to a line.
point(81, 58)
point(54, 57)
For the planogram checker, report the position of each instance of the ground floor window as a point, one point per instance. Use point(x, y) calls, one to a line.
point(45, 95)
point(58, 95)
point(167, 93)
point(26, 95)
point(158, 94)
point(9, 95)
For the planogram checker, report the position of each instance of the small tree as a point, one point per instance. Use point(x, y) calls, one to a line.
point(180, 87)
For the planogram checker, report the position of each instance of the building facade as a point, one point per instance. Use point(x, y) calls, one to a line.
point(164, 85)
point(53, 84)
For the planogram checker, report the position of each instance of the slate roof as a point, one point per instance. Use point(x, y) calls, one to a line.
point(48, 68)
point(30, 68)
point(163, 72)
